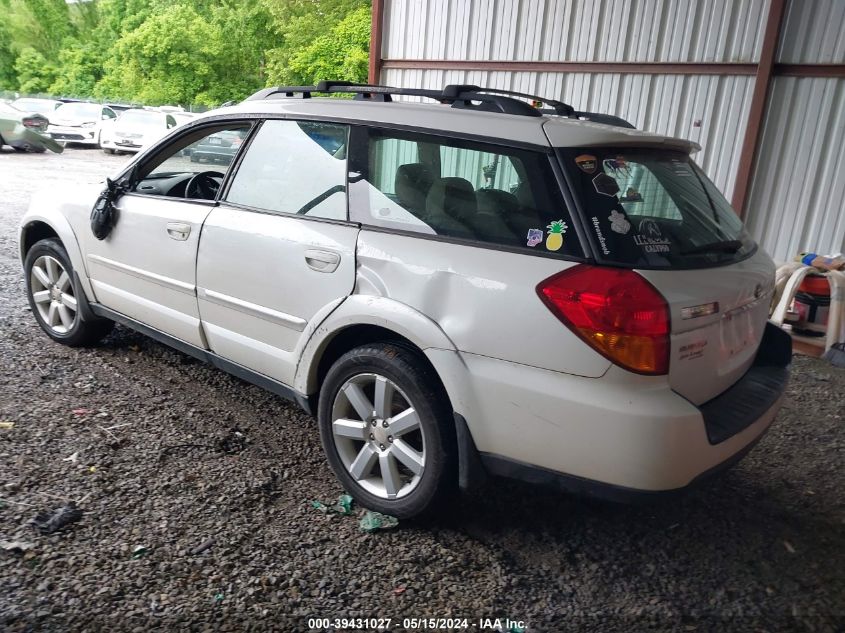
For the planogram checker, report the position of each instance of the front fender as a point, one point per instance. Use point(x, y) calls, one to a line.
point(52, 217)
point(367, 310)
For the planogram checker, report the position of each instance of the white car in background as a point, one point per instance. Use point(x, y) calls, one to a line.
point(79, 122)
point(135, 129)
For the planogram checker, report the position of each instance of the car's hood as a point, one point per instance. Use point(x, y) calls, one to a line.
point(70, 121)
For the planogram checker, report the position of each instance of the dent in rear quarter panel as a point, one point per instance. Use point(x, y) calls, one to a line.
point(483, 299)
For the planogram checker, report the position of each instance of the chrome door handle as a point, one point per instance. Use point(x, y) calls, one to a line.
point(178, 230)
point(322, 261)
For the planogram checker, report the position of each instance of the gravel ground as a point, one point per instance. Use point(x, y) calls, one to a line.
point(173, 456)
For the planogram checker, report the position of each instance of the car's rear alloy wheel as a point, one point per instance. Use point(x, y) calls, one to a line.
point(52, 293)
point(377, 434)
point(387, 429)
point(54, 297)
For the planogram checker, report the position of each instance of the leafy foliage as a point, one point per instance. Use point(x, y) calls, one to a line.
point(179, 51)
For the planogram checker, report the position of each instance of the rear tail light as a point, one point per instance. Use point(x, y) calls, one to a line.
point(35, 124)
point(616, 311)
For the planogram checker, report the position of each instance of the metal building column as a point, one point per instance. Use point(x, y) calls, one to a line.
point(757, 110)
point(376, 30)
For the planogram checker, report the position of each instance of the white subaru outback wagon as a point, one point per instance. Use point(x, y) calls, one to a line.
point(468, 287)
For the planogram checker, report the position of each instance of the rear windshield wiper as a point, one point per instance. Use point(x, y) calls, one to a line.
point(725, 246)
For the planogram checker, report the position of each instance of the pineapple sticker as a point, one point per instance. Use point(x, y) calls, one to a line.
point(554, 241)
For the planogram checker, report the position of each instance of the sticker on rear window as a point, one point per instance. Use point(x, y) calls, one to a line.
point(617, 165)
point(619, 223)
point(535, 236)
point(586, 163)
point(600, 236)
point(651, 238)
point(605, 185)
point(554, 241)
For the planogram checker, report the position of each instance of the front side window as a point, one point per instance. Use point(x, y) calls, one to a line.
point(465, 190)
point(296, 167)
point(193, 166)
point(654, 208)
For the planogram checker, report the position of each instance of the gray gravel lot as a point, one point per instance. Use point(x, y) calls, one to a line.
point(761, 548)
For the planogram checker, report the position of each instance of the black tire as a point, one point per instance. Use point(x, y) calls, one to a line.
point(82, 331)
point(108, 150)
point(422, 389)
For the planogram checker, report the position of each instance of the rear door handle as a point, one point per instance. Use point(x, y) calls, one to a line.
point(322, 261)
point(178, 230)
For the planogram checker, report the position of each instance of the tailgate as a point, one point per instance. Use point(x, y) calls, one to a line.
point(711, 352)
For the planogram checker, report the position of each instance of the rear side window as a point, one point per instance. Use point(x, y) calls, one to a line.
point(465, 190)
point(650, 208)
point(294, 167)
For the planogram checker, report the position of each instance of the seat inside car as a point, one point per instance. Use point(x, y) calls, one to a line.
point(412, 184)
point(449, 200)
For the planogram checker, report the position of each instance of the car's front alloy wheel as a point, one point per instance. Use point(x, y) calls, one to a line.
point(387, 429)
point(52, 293)
point(54, 297)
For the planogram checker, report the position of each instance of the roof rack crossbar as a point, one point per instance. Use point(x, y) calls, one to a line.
point(457, 95)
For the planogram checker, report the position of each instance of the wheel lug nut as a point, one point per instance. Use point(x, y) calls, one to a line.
point(385, 424)
point(381, 446)
point(373, 422)
point(389, 438)
point(372, 437)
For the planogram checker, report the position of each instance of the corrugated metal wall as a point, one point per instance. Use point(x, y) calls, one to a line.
point(797, 200)
point(711, 109)
point(575, 30)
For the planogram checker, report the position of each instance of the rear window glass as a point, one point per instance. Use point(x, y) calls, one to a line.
point(654, 209)
point(459, 189)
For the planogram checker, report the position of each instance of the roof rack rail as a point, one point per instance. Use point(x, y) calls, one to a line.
point(457, 95)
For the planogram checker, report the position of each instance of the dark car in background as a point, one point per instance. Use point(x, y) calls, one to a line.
point(218, 148)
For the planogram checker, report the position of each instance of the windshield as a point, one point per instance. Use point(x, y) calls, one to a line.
point(35, 105)
point(654, 209)
point(89, 111)
point(141, 118)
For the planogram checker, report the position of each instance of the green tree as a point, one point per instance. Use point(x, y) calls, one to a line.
point(167, 59)
point(8, 76)
point(35, 73)
point(298, 23)
point(80, 67)
point(341, 54)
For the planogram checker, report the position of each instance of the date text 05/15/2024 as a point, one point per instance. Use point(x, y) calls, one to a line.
point(500, 625)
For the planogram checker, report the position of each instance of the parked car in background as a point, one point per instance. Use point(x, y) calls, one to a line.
point(135, 129)
point(25, 131)
point(217, 148)
point(120, 107)
point(80, 122)
point(41, 106)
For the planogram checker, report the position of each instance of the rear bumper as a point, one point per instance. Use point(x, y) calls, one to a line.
point(618, 436)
